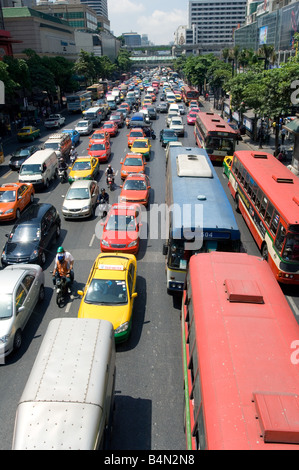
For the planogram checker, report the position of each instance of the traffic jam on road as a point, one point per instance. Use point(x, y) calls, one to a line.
point(71, 206)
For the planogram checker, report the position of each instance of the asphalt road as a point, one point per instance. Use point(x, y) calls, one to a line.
point(149, 382)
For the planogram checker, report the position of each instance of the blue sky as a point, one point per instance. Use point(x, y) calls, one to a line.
point(157, 19)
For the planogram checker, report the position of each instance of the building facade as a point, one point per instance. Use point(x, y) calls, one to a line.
point(272, 23)
point(132, 39)
point(45, 34)
point(214, 22)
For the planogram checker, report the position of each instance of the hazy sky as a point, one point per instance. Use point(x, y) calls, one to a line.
point(157, 18)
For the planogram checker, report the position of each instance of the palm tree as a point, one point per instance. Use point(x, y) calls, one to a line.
point(268, 54)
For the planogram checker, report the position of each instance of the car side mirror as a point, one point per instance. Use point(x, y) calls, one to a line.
point(134, 295)
point(80, 292)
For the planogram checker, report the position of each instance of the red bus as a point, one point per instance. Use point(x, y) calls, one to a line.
point(190, 93)
point(215, 135)
point(267, 195)
point(240, 344)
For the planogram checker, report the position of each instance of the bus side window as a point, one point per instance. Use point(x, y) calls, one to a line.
point(274, 222)
point(254, 191)
point(259, 197)
point(269, 213)
point(264, 203)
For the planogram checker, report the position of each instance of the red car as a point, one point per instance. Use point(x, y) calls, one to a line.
point(135, 133)
point(191, 117)
point(110, 127)
point(118, 118)
point(100, 134)
point(100, 148)
point(136, 188)
point(121, 229)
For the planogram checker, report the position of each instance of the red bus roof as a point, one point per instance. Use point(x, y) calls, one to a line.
point(279, 184)
point(249, 383)
point(214, 123)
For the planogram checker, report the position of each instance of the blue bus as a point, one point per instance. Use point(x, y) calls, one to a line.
point(200, 217)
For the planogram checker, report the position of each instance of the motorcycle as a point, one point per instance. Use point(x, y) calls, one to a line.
point(73, 157)
point(110, 181)
point(61, 290)
point(62, 175)
point(153, 135)
point(127, 122)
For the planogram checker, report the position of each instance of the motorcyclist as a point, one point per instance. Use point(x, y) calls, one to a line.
point(103, 198)
point(62, 166)
point(109, 172)
point(64, 262)
point(73, 154)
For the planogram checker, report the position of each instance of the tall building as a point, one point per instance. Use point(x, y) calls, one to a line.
point(215, 21)
point(99, 6)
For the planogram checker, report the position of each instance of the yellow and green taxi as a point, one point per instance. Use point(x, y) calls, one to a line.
point(226, 165)
point(28, 133)
point(84, 168)
point(110, 292)
point(142, 145)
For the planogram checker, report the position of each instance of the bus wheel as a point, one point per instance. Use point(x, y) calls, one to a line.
point(265, 251)
point(237, 203)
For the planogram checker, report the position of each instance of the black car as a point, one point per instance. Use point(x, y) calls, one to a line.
point(162, 108)
point(21, 155)
point(152, 113)
point(32, 235)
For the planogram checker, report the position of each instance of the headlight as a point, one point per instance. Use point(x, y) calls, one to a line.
point(105, 243)
point(122, 327)
point(9, 211)
point(134, 243)
point(85, 208)
point(4, 338)
point(34, 254)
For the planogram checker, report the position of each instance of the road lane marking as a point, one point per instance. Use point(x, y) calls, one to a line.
point(7, 174)
point(92, 240)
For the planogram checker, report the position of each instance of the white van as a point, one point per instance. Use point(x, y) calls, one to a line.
point(174, 107)
point(40, 168)
point(95, 115)
point(68, 399)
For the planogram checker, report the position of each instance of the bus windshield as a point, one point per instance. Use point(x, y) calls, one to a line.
point(291, 247)
point(220, 143)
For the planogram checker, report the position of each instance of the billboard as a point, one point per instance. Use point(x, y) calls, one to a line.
point(263, 35)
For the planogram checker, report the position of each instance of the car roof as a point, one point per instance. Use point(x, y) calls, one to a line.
point(34, 213)
point(81, 184)
point(10, 186)
point(9, 278)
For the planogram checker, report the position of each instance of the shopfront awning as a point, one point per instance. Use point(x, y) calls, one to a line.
point(292, 126)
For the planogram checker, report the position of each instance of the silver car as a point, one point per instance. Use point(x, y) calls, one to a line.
point(81, 199)
point(84, 127)
point(22, 286)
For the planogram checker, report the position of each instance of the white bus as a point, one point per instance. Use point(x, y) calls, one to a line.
point(67, 402)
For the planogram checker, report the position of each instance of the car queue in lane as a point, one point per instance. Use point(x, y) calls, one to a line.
point(71, 226)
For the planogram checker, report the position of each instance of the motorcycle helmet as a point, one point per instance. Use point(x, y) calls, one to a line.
point(60, 249)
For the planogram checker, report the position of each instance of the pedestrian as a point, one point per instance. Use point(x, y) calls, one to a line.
point(283, 135)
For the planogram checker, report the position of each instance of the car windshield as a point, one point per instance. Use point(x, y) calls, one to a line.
point(82, 124)
point(169, 133)
point(136, 134)
point(118, 222)
point(21, 153)
point(133, 162)
point(77, 193)
point(5, 306)
point(30, 169)
point(108, 126)
point(176, 122)
point(107, 292)
point(7, 196)
point(24, 233)
point(25, 130)
point(52, 145)
point(97, 147)
point(135, 185)
point(80, 166)
point(140, 145)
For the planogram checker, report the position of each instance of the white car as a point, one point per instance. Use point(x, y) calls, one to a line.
point(81, 199)
point(84, 127)
point(54, 120)
point(22, 286)
point(177, 125)
point(170, 115)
